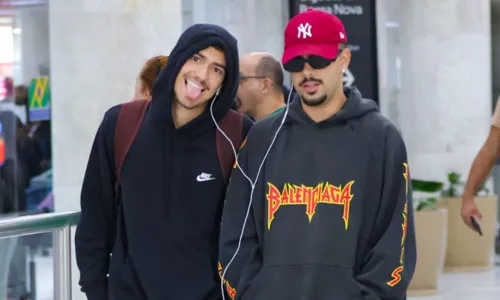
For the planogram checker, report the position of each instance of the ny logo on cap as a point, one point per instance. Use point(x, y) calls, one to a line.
point(304, 31)
point(342, 36)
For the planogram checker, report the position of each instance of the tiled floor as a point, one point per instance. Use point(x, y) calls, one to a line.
point(454, 286)
point(468, 286)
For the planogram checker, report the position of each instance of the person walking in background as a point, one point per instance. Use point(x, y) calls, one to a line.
point(7, 94)
point(151, 213)
point(147, 77)
point(480, 169)
point(260, 92)
point(328, 214)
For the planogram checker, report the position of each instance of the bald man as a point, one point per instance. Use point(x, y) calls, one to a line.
point(260, 93)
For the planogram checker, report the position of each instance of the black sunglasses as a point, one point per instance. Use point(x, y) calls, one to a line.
point(316, 62)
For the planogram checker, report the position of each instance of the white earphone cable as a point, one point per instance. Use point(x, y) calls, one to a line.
point(252, 183)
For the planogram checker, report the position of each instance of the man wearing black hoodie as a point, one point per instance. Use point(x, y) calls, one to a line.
point(164, 236)
point(329, 214)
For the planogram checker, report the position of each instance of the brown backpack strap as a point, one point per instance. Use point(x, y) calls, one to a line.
point(128, 124)
point(232, 125)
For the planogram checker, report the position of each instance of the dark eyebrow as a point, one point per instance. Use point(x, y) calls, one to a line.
point(222, 66)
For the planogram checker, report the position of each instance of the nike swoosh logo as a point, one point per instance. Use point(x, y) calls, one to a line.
point(201, 178)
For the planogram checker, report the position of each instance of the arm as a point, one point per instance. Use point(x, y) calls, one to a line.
point(247, 124)
point(95, 232)
point(483, 163)
point(481, 167)
point(247, 262)
point(390, 259)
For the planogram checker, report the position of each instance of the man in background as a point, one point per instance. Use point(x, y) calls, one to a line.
point(260, 93)
point(481, 168)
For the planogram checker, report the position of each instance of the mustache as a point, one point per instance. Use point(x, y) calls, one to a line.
point(202, 82)
point(309, 80)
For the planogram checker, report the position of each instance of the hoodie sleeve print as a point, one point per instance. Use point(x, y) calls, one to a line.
point(94, 235)
point(247, 260)
point(390, 260)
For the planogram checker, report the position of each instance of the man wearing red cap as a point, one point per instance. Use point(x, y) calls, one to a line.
point(328, 213)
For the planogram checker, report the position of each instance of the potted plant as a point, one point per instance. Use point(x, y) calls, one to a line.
point(431, 234)
point(466, 249)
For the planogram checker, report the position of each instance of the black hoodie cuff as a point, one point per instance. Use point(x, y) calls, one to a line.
point(97, 292)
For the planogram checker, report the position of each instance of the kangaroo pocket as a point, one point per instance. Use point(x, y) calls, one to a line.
point(123, 283)
point(302, 282)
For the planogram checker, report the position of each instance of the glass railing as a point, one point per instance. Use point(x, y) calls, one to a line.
point(56, 224)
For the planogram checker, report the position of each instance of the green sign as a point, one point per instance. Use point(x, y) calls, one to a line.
point(39, 99)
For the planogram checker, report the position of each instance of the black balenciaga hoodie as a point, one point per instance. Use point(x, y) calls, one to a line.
point(164, 238)
point(332, 214)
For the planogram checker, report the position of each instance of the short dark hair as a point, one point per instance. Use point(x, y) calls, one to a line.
point(270, 67)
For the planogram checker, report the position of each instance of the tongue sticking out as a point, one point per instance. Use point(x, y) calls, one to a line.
point(193, 91)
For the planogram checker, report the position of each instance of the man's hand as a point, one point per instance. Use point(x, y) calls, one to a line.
point(470, 209)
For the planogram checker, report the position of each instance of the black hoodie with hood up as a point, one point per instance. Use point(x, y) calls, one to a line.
point(331, 215)
point(164, 237)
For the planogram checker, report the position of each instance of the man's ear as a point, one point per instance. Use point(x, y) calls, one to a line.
point(267, 85)
point(344, 58)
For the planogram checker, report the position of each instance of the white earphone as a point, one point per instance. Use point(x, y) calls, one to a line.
point(252, 183)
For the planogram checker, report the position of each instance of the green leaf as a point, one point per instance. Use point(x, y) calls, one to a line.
point(427, 204)
point(454, 178)
point(426, 186)
point(421, 206)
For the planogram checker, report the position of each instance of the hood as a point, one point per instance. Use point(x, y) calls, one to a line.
point(193, 40)
point(355, 107)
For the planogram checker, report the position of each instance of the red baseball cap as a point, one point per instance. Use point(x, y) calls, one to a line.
point(313, 32)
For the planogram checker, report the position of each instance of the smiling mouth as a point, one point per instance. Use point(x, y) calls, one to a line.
point(193, 89)
point(311, 87)
point(310, 84)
